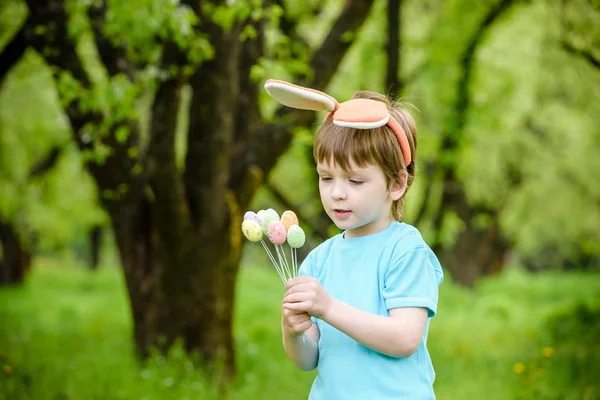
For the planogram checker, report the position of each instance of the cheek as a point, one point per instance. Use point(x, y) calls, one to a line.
point(322, 191)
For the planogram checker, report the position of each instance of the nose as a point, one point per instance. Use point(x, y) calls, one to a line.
point(338, 191)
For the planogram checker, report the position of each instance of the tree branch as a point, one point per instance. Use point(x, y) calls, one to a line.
point(171, 206)
point(113, 57)
point(211, 128)
point(453, 191)
point(324, 62)
point(52, 41)
point(248, 116)
point(392, 78)
point(13, 51)
point(47, 33)
point(585, 55)
point(163, 176)
point(44, 165)
point(429, 174)
point(328, 56)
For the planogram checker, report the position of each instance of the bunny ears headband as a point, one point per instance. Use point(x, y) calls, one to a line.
point(355, 113)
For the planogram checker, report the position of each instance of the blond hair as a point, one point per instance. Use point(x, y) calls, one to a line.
point(378, 146)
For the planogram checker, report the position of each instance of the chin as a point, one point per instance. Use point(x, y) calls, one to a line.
point(347, 227)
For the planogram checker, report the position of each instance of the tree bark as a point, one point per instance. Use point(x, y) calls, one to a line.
point(95, 246)
point(393, 47)
point(13, 52)
point(15, 260)
point(585, 55)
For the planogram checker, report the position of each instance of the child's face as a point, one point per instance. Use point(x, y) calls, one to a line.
point(358, 201)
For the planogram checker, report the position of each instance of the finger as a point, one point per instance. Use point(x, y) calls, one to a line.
point(298, 280)
point(305, 285)
point(310, 286)
point(296, 297)
point(299, 317)
point(288, 314)
point(300, 306)
point(302, 327)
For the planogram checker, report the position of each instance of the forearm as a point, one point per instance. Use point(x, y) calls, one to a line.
point(386, 335)
point(302, 349)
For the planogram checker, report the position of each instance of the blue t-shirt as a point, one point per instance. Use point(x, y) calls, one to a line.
point(392, 268)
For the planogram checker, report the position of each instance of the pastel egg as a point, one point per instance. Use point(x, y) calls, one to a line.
point(277, 233)
point(296, 236)
point(273, 213)
point(250, 215)
point(289, 218)
point(252, 230)
point(266, 220)
point(261, 214)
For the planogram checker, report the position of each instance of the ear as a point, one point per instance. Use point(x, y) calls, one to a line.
point(398, 188)
point(300, 97)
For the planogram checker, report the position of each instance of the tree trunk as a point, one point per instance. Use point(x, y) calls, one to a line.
point(186, 292)
point(95, 246)
point(15, 260)
point(478, 250)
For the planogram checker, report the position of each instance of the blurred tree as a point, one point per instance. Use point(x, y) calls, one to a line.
point(15, 249)
point(177, 228)
point(15, 258)
point(479, 249)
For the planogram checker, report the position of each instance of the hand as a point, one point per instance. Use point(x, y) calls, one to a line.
point(295, 323)
point(306, 294)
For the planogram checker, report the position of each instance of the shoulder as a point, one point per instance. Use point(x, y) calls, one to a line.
point(406, 245)
point(405, 238)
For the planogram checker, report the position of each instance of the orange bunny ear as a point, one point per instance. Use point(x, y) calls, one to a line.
point(300, 97)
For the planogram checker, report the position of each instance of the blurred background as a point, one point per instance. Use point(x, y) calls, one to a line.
point(134, 135)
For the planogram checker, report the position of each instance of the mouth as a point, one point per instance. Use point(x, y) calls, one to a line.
point(339, 212)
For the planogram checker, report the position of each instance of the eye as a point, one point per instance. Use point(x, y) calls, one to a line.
point(356, 182)
point(325, 178)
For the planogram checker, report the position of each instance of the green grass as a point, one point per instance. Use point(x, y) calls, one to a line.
point(65, 334)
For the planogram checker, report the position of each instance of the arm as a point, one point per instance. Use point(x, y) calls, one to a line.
point(398, 335)
point(300, 343)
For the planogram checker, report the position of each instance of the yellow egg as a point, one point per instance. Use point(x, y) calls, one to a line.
point(252, 230)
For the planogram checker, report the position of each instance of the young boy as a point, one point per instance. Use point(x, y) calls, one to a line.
point(360, 310)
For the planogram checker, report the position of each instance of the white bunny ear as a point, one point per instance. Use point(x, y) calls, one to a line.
point(300, 97)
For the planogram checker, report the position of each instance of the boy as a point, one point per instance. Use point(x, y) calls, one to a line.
point(360, 312)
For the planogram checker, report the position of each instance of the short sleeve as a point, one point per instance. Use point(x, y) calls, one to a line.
point(411, 281)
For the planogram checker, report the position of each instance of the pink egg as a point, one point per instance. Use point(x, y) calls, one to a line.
point(277, 232)
point(289, 218)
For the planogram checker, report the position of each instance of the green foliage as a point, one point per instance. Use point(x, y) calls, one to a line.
point(61, 204)
point(509, 339)
point(529, 146)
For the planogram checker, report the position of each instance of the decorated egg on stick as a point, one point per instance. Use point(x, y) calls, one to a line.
point(272, 213)
point(261, 214)
point(296, 236)
point(252, 230)
point(266, 220)
point(277, 233)
point(251, 215)
point(289, 218)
